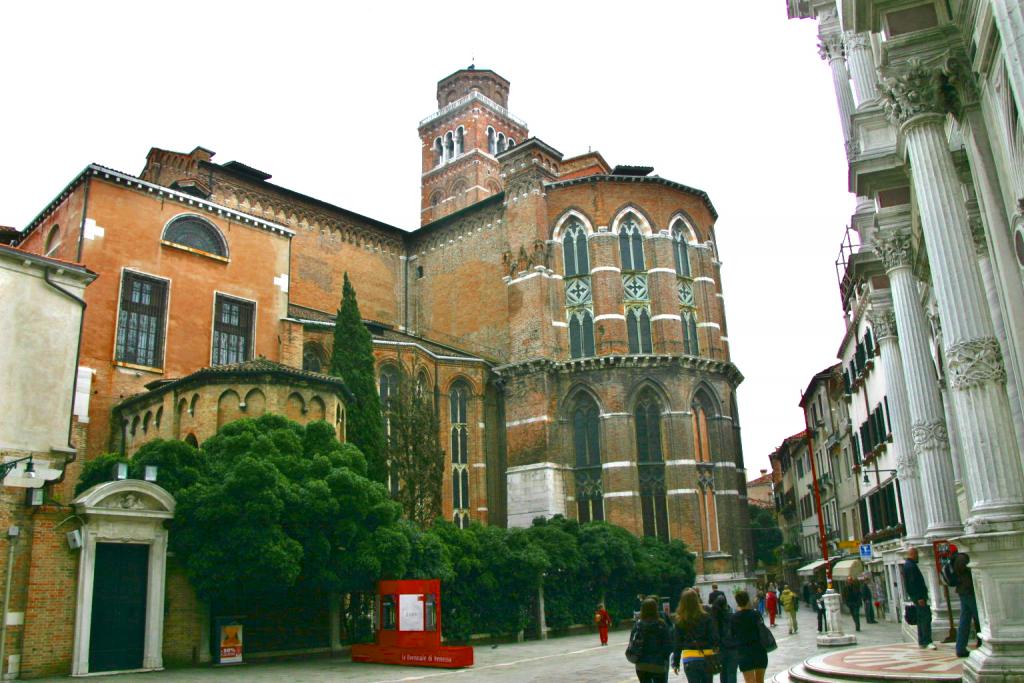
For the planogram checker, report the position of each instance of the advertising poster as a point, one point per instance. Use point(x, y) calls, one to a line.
point(410, 612)
point(231, 644)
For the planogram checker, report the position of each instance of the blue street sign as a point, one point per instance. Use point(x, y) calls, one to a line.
point(865, 551)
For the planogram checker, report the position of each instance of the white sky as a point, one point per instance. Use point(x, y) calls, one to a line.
point(728, 97)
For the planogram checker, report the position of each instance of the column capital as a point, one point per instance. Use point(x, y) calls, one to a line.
point(831, 46)
point(941, 86)
point(930, 436)
point(906, 463)
point(894, 248)
point(883, 323)
point(975, 362)
point(855, 41)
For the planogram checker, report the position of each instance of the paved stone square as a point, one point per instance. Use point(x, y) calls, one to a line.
point(574, 658)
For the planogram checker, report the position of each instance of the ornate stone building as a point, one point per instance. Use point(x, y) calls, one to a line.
point(566, 316)
point(930, 101)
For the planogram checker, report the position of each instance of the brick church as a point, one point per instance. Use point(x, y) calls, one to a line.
point(567, 315)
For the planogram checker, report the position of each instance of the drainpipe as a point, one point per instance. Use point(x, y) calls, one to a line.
point(74, 381)
point(12, 539)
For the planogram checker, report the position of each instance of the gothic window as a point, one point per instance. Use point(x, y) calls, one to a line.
point(388, 384)
point(313, 358)
point(501, 143)
point(140, 320)
point(449, 146)
point(438, 152)
point(690, 344)
point(638, 329)
point(195, 233)
point(631, 244)
point(423, 386)
point(574, 249)
point(458, 413)
point(651, 466)
point(680, 249)
point(707, 504)
point(581, 334)
point(232, 330)
point(587, 447)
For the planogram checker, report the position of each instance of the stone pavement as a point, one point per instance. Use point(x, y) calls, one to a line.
point(574, 658)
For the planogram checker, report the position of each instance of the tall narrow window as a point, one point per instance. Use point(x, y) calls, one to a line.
point(388, 382)
point(581, 334)
point(707, 504)
point(631, 244)
point(587, 447)
point(578, 295)
point(312, 358)
point(438, 152)
point(458, 413)
point(638, 329)
point(651, 466)
point(492, 141)
point(574, 250)
point(140, 321)
point(460, 141)
point(680, 249)
point(691, 346)
point(449, 146)
point(232, 330)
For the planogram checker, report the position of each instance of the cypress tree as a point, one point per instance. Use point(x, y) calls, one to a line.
point(352, 360)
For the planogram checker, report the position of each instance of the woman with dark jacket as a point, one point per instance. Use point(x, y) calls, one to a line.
point(695, 636)
point(722, 616)
point(656, 636)
point(751, 655)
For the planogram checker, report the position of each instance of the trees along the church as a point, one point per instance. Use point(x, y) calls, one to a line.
point(765, 532)
point(414, 456)
point(352, 361)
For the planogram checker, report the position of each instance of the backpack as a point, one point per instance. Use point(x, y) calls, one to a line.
point(636, 644)
point(948, 574)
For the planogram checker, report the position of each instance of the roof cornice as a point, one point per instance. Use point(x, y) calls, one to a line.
point(475, 96)
point(637, 179)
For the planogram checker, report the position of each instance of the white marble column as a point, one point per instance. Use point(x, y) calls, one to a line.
point(1009, 19)
point(930, 455)
point(883, 324)
point(862, 67)
point(831, 49)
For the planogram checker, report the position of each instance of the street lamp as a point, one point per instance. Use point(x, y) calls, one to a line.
point(9, 466)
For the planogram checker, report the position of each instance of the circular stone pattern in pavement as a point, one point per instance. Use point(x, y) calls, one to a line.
point(902, 662)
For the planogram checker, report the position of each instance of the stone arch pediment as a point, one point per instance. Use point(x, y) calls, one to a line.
point(126, 498)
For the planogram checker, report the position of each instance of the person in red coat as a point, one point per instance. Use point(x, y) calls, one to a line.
point(603, 621)
point(771, 604)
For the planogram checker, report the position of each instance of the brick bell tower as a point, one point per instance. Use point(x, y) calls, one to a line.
point(462, 140)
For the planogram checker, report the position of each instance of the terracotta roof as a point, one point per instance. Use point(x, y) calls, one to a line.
point(763, 479)
point(657, 180)
point(47, 259)
point(252, 368)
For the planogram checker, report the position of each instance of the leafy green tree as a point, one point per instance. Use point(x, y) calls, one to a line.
point(97, 471)
point(352, 360)
point(662, 568)
point(415, 458)
point(765, 532)
point(567, 600)
point(609, 565)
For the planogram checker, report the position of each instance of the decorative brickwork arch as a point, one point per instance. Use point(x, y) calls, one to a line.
point(682, 220)
point(645, 224)
point(117, 513)
point(567, 215)
point(228, 408)
point(317, 409)
point(255, 403)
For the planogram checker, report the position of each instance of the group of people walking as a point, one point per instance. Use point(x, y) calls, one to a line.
point(701, 640)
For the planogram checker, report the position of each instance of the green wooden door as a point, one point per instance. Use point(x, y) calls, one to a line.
point(118, 630)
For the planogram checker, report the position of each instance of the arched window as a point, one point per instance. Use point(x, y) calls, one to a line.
point(708, 507)
point(587, 447)
point(680, 249)
point(651, 466)
point(458, 413)
point(581, 334)
point(511, 143)
point(631, 244)
point(449, 146)
point(574, 249)
point(690, 344)
point(460, 141)
point(438, 152)
point(423, 386)
point(195, 233)
point(52, 241)
point(312, 358)
point(388, 384)
point(192, 441)
point(436, 198)
point(501, 143)
point(638, 329)
point(492, 141)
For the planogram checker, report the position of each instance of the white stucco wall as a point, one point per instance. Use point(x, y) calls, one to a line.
point(39, 334)
point(535, 491)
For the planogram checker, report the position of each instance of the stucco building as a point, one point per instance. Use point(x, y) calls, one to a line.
point(566, 315)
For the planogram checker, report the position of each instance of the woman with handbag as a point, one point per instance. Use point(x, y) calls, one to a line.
point(696, 640)
point(722, 616)
point(752, 656)
point(650, 644)
point(603, 620)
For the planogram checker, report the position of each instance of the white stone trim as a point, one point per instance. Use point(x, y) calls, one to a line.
point(559, 323)
point(601, 269)
point(680, 492)
point(672, 271)
point(714, 325)
point(681, 461)
point(667, 316)
point(607, 415)
point(704, 278)
point(609, 316)
point(527, 420)
point(617, 463)
point(622, 494)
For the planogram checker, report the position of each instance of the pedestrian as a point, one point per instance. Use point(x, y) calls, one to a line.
point(760, 599)
point(868, 599)
point(752, 658)
point(722, 616)
point(714, 594)
point(655, 644)
point(853, 600)
point(917, 591)
point(695, 638)
point(968, 601)
point(806, 590)
point(819, 607)
point(790, 602)
point(603, 621)
point(771, 604)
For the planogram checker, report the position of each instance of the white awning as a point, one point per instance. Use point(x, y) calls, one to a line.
point(844, 569)
point(808, 569)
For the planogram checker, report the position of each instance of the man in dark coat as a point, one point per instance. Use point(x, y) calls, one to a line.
point(968, 603)
point(852, 598)
point(819, 607)
point(869, 601)
point(917, 592)
point(715, 594)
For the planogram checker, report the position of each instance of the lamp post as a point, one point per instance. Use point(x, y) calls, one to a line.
point(833, 635)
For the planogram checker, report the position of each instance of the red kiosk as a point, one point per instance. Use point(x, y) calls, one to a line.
point(408, 628)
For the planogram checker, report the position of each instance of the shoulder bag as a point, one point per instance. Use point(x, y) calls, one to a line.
point(636, 645)
point(764, 634)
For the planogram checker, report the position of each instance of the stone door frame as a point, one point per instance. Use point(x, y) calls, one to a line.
point(126, 511)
